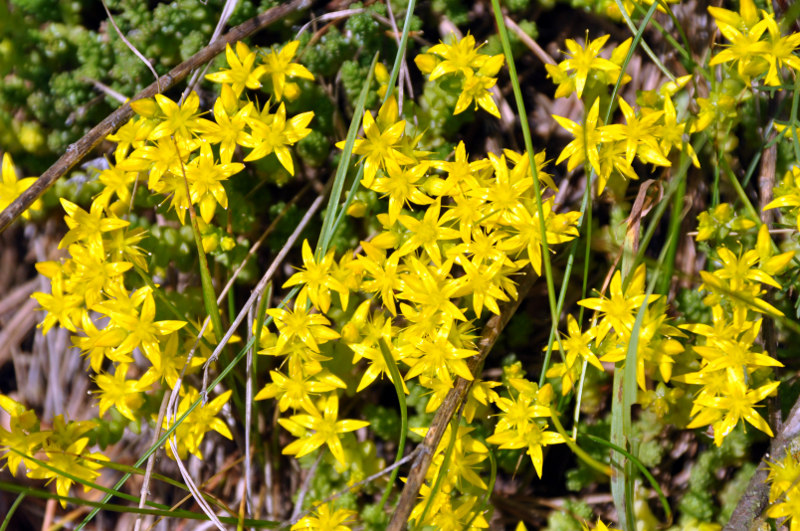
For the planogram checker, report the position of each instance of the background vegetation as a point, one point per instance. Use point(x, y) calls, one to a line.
point(632, 360)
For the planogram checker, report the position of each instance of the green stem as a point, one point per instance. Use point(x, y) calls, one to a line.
point(526, 134)
point(397, 380)
point(577, 450)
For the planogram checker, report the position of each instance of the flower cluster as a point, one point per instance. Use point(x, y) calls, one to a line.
point(172, 150)
point(649, 133)
point(434, 273)
point(729, 358)
point(454, 235)
point(784, 490)
point(611, 334)
point(446, 252)
point(48, 453)
point(754, 55)
point(476, 72)
point(522, 422)
point(454, 504)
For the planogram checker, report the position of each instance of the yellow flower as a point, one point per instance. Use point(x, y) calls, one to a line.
point(427, 233)
point(295, 390)
point(737, 403)
point(402, 187)
point(205, 179)
point(382, 141)
point(73, 461)
point(276, 134)
point(586, 139)
point(278, 66)
point(746, 49)
point(432, 290)
point(582, 60)
point(143, 330)
point(241, 73)
point(125, 395)
point(23, 438)
point(577, 344)
point(88, 226)
point(11, 188)
point(462, 57)
point(619, 309)
point(476, 88)
point(324, 519)
point(780, 52)
point(326, 426)
point(439, 354)
point(316, 279)
point(639, 135)
point(310, 328)
point(229, 127)
point(189, 434)
point(787, 194)
point(178, 120)
point(600, 526)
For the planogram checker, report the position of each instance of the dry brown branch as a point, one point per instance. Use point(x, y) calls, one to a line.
point(420, 465)
point(537, 50)
point(754, 500)
point(75, 152)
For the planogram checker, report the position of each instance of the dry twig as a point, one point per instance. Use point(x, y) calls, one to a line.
point(426, 449)
point(754, 500)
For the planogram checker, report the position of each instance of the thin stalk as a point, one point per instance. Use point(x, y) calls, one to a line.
point(643, 469)
point(329, 222)
point(577, 450)
point(11, 511)
point(397, 380)
point(209, 297)
point(526, 134)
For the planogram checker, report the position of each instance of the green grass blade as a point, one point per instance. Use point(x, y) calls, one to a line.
point(795, 98)
point(398, 60)
point(11, 511)
point(328, 225)
point(643, 469)
point(401, 50)
point(579, 452)
point(209, 297)
point(661, 208)
point(625, 392)
point(653, 57)
point(164, 513)
point(676, 217)
point(397, 380)
point(740, 193)
point(618, 437)
point(333, 216)
point(638, 33)
point(526, 134)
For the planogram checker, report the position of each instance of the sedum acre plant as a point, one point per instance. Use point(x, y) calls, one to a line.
point(427, 248)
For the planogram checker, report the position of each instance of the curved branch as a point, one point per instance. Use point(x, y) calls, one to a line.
point(75, 152)
point(754, 500)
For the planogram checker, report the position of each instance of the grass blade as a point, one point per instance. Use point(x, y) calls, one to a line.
point(397, 380)
point(328, 224)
